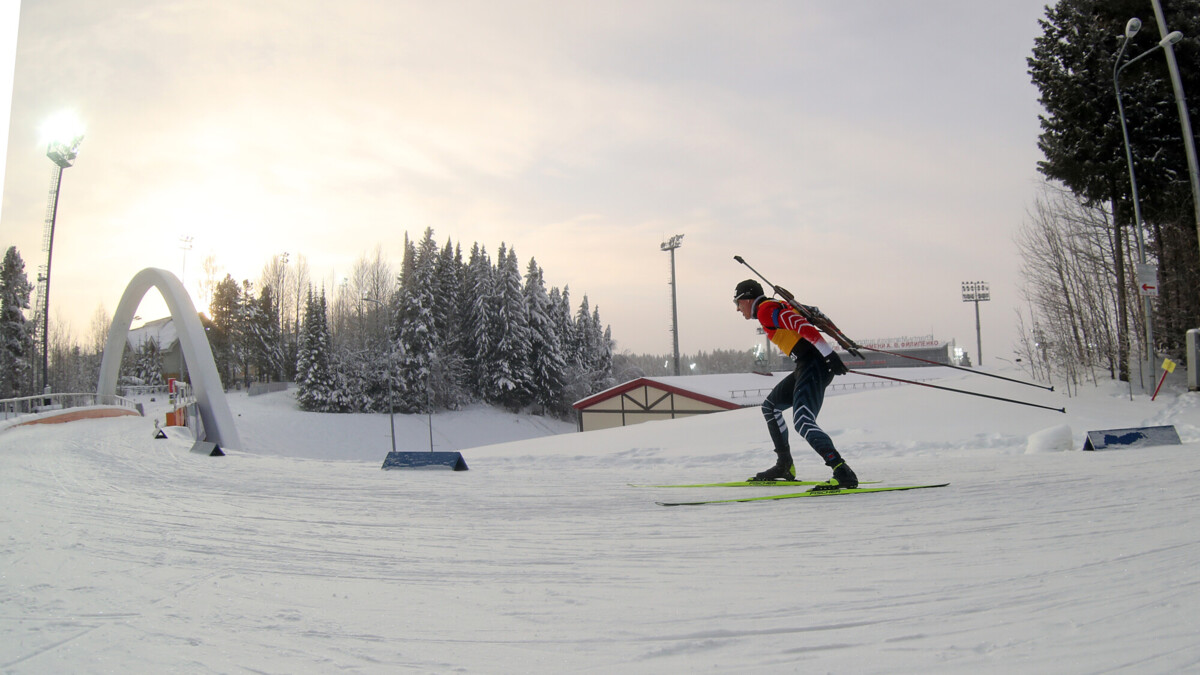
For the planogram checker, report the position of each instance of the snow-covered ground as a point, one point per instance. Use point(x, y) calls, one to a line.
point(120, 553)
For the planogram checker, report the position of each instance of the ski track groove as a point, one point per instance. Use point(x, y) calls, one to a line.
point(309, 540)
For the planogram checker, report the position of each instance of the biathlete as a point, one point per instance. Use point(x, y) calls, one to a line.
point(803, 390)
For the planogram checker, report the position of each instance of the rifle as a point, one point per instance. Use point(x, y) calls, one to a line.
point(826, 325)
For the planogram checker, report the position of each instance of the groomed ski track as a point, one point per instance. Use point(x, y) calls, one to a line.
point(122, 553)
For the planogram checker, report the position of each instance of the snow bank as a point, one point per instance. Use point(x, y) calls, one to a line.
point(1054, 439)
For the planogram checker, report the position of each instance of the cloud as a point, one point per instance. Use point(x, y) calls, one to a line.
point(841, 146)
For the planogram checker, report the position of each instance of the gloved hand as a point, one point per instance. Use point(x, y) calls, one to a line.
point(834, 362)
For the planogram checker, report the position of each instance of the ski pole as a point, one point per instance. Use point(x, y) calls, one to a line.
point(958, 391)
point(849, 345)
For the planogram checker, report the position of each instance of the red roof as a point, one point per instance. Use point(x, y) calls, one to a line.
point(647, 382)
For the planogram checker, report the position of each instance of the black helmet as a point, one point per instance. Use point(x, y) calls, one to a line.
point(748, 290)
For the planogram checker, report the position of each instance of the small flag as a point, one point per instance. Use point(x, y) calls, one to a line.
point(1168, 366)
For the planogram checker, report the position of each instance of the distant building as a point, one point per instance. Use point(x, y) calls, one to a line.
point(648, 399)
point(161, 332)
point(924, 347)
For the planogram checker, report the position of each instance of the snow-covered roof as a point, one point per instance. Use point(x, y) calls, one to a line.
point(161, 331)
point(729, 390)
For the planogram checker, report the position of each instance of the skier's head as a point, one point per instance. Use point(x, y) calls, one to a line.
point(744, 297)
point(748, 290)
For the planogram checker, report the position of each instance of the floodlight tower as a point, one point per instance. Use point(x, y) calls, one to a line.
point(977, 292)
point(670, 245)
point(63, 134)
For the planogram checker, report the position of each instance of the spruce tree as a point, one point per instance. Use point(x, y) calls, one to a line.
point(1072, 66)
point(448, 368)
point(315, 377)
point(16, 337)
point(477, 319)
point(509, 365)
point(415, 328)
point(225, 308)
point(546, 360)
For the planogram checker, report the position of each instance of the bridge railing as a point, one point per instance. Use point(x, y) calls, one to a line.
point(28, 405)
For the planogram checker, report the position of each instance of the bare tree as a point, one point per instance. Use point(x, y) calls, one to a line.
point(299, 281)
point(211, 276)
point(100, 325)
point(1077, 278)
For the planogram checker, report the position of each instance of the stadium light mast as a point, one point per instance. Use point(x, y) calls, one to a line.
point(670, 245)
point(62, 134)
point(977, 292)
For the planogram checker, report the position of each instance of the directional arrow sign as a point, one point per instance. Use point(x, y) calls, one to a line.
point(1147, 280)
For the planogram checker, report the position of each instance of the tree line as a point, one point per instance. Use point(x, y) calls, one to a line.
point(1080, 242)
point(440, 333)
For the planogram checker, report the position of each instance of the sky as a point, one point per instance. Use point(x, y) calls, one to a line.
point(869, 156)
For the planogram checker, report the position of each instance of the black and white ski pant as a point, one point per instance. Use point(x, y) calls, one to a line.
point(803, 391)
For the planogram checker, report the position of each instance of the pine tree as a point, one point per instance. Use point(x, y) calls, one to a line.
point(315, 378)
point(477, 319)
point(448, 369)
point(593, 350)
point(1072, 66)
point(546, 360)
point(416, 329)
point(147, 365)
point(225, 308)
point(16, 338)
point(508, 369)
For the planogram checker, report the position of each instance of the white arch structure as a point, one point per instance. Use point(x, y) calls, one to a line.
point(206, 382)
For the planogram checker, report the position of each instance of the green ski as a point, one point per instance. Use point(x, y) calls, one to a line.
point(810, 493)
point(748, 483)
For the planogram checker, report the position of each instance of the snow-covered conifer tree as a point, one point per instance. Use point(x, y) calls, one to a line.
point(476, 314)
point(448, 368)
point(546, 360)
point(509, 371)
point(315, 376)
point(415, 327)
point(16, 338)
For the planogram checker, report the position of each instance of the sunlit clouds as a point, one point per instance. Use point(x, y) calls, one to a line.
point(869, 155)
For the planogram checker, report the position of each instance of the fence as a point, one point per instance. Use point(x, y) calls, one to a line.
point(27, 405)
point(142, 389)
point(257, 388)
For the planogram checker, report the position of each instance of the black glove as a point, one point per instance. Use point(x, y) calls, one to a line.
point(834, 362)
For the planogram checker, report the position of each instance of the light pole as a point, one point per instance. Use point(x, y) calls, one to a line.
point(185, 245)
point(670, 245)
point(391, 407)
point(1189, 141)
point(977, 292)
point(1145, 290)
point(62, 134)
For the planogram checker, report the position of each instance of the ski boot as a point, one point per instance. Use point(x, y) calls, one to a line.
point(784, 469)
point(843, 477)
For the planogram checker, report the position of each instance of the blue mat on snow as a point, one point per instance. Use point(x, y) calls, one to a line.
point(425, 460)
point(1134, 437)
